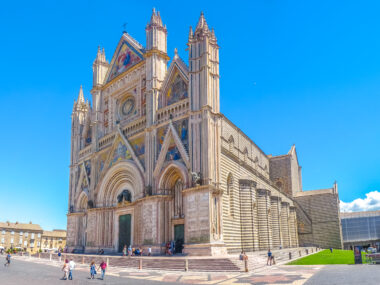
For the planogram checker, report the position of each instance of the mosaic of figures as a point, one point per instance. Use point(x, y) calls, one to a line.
point(181, 126)
point(119, 153)
point(126, 57)
point(138, 145)
point(88, 137)
point(176, 92)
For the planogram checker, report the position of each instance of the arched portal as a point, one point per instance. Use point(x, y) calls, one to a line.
point(173, 180)
point(122, 176)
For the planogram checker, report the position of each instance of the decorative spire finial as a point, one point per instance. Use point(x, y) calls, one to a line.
point(80, 95)
point(175, 53)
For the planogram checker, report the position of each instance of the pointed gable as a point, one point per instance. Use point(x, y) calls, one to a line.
point(175, 86)
point(128, 53)
point(119, 152)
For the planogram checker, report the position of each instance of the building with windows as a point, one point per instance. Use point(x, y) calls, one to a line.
point(361, 228)
point(25, 237)
point(153, 160)
point(53, 240)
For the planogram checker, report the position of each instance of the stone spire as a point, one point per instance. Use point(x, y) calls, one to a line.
point(175, 53)
point(202, 27)
point(80, 96)
point(99, 68)
point(191, 34)
point(155, 19)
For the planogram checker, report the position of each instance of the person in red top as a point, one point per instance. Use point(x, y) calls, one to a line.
point(103, 267)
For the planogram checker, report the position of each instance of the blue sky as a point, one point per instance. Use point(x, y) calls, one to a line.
point(302, 72)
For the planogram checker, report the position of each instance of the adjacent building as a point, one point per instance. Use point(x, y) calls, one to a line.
point(21, 236)
point(361, 228)
point(53, 240)
point(153, 160)
point(30, 237)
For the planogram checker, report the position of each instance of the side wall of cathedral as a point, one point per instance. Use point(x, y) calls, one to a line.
point(256, 215)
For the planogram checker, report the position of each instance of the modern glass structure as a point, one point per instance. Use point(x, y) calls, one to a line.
point(361, 228)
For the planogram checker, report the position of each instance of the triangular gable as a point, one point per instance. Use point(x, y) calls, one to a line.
point(121, 149)
point(175, 85)
point(127, 54)
point(172, 149)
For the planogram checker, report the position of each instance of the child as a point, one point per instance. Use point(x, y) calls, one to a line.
point(92, 270)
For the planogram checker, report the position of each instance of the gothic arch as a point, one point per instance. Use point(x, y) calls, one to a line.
point(124, 175)
point(81, 203)
point(173, 180)
point(171, 173)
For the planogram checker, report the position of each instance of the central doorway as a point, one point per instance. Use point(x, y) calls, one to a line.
point(179, 237)
point(124, 231)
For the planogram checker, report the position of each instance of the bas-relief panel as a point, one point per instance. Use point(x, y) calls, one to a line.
point(126, 57)
point(138, 145)
point(87, 166)
point(182, 127)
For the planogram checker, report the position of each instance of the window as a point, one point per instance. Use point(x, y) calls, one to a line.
point(25, 243)
point(38, 243)
point(32, 237)
point(32, 244)
point(12, 232)
point(2, 240)
point(21, 233)
point(3, 232)
point(20, 241)
point(26, 234)
point(11, 240)
point(39, 235)
point(60, 239)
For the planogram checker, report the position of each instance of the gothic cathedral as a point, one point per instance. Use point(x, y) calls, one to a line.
point(153, 160)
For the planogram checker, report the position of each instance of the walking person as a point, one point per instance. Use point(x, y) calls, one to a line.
point(103, 267)
point(130, 250)
point(71, 269)
point(149, 251)
point(269, 260)
point(92, 270)
point(7, 260)
point(124, 250)
point(65, 269)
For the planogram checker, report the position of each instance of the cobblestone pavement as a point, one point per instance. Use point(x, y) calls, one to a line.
point(43, 271)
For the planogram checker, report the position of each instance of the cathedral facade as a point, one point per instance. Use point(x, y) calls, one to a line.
point(153, 160)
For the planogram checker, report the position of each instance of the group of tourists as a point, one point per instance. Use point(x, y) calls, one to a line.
point(68, 268)
point(132, 251)
point(270, 259)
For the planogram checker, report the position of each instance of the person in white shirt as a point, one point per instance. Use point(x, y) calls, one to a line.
point(71, 268)
point(149, 251)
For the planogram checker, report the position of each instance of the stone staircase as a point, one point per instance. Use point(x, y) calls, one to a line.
point(230, 263)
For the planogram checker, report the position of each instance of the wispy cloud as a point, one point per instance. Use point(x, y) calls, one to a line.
point(370, 203)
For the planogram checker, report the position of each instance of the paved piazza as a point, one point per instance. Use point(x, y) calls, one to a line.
point(38, 271)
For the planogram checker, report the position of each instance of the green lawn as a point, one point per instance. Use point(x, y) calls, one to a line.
point(326, 257)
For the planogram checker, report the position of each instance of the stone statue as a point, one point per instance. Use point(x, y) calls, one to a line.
point(124, 196)
point(196, 178)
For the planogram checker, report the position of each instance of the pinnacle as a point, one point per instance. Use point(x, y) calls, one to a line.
point(202, 24)
point(155, 19)
point(80, 95)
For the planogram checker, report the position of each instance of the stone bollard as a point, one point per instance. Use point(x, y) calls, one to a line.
point(186, 264)
point(108, 261)
point(246, 265)
point(82, 259)
point(307, 251)
point(290, 255)
point(299, 253)
point(140, 263)
point(50, 257)
point(312, 250)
